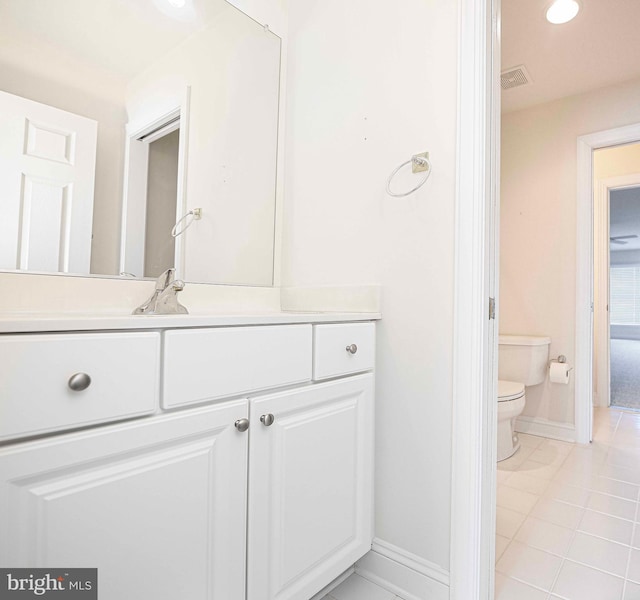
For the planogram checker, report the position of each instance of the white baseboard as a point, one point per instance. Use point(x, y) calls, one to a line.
point(544, 428)
point(403, 573)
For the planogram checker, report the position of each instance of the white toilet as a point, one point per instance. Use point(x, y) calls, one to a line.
point(522, 361)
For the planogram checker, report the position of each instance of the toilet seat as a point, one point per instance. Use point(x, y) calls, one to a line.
point(509, 390)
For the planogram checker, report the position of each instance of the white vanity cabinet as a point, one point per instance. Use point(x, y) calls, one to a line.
point(157, 505)
point(248, 476)
point(310, 487)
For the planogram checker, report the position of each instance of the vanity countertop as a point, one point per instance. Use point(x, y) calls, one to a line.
point(35, 323)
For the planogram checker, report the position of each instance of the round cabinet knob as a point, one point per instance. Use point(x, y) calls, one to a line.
point(352, 349)
point(79, 382)
point(267, 420)
point(242, 425)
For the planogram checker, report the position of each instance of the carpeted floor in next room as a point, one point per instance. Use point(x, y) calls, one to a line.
point(625, 373)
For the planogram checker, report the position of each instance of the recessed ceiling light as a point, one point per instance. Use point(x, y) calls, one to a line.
point(562, 11)
point(177, 3)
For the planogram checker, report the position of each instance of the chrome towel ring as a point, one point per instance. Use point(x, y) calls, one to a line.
point(420, 163)
point(195, 214)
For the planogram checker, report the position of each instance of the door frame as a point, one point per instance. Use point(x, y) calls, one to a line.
point(585, 218)
point(473, 461)
point(602, 266)
point(134, 196)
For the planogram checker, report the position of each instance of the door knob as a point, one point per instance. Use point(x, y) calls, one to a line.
point(242, 425)
point(267, 420)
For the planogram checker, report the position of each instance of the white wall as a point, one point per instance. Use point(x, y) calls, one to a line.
point(369, 84)
point(538, 223)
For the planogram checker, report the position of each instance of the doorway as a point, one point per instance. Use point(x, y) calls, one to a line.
point(162, 198)
point(616, 265)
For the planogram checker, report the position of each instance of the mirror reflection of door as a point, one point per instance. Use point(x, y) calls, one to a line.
point(47, 173)
point(162, 194)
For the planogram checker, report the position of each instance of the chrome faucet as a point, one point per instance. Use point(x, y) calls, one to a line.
point(164, 300)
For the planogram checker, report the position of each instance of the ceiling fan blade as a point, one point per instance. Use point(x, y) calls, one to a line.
point(615, 238)
point(614, 241)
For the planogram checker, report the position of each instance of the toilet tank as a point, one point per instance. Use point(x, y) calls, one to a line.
point(523, 358)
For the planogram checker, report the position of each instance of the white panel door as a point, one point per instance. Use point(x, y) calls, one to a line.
point(47, 172)
point(157, 506)
point(310, 487)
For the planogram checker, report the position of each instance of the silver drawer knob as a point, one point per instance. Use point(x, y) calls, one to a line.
point(267, 420)
point(242, 425)
point(352, 349)
point(79, 382)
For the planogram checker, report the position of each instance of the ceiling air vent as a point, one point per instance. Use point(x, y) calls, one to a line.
point(514, 77)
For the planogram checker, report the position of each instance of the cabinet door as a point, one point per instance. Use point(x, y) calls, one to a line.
point(310, 487)
point(159, 507)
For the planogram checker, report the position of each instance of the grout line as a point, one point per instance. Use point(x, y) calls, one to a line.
point(633, 532)
point(564, 559)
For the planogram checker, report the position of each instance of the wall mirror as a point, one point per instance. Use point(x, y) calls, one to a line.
point(137, 135)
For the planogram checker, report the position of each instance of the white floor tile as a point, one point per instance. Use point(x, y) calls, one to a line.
point(501, 545)
point(508, 522)
point(561, 447)
point(586, 523)
point(530, 441)
point(631, 591)
point(634, 566)
point(576, 476)
point(567, 493)
point(529, 565)
point(606, 526)
point(617, 507)
point(635, 542)
point(545, 536)
point(612, 487)
point(526, 483)
point(621, 473)
point(624, 457)
point(554, 511)
point(514, 462)
point(510, 589)
point(503, 476)
point(515, 499)
point(548, 456)
point(358, 588)
point(536, 469)
point(599, 554)
point(578, 582)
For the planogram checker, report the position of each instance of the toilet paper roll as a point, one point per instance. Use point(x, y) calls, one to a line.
point(559, 372)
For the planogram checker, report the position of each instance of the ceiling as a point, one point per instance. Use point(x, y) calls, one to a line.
point(600, 47)
point(624, 217)
point(117, 38)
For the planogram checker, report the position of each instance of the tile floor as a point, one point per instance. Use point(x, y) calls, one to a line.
point(358, 588)
point(568, 524)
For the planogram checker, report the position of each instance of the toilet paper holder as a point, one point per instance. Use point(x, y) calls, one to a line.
point(561, 359)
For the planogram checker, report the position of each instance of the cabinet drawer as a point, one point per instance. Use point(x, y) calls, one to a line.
point(342, 349)
point(208, 364)
point(35, 373)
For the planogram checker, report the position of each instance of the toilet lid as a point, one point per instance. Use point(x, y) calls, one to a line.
point(509, 390)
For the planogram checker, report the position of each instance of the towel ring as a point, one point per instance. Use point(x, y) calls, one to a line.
point(195, 215)
point(419, 163)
